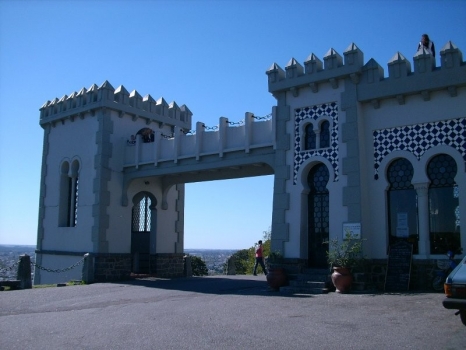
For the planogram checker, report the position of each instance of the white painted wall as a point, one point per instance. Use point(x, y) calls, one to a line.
point(60, 262)
point(69, 141)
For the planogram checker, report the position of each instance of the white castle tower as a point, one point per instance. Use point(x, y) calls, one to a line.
point(83, 208)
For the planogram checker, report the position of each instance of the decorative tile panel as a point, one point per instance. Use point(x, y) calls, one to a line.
point(330, 153)
point(417, 139)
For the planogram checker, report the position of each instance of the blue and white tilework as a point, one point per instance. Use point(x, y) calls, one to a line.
point(330, 153)
point(417, 139)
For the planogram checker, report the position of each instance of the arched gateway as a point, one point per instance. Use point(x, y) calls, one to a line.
point(343, 142)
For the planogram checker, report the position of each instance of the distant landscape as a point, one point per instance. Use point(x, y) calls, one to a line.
point(213, 258)
point(9, 257)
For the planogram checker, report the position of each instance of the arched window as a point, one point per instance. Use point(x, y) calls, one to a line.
point(325, 134)
point(318, 215)
point(143, 232)
point(68, 202)
point(141, 218)
point(402, 204)
point(444, 218)
point(309, 137)
point(147, 135)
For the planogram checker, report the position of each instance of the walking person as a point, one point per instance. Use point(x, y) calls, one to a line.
point(259, 259)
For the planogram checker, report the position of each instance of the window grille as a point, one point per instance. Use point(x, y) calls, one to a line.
point(402, 204)
point(310, 137)
point(325, 134)
point(141, 218)
point(444, 220)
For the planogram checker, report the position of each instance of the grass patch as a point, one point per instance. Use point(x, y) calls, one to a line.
point(70, 283)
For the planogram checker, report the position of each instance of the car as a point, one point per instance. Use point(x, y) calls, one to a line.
point(455, 290)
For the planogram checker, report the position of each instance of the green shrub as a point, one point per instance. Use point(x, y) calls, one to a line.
point(198, 266)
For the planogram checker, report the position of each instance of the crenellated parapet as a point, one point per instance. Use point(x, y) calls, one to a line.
point(315, 72)
point(119, 99)
point(421, 77)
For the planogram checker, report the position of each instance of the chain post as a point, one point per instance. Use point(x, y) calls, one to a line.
point(24, 272)
point(88, 269)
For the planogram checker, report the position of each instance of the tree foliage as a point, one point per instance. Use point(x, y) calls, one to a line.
point(245, 258)
point(242, 258)
point(198, 266)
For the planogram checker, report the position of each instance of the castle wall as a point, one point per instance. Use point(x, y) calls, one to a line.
point(296, 186)
point(63, 263)
point(70, 141)
point(391, 114)
point(371, 112)
point(119, 228)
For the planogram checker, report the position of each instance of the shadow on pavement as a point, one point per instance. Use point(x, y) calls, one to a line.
point(238, 285)
point(219, 285)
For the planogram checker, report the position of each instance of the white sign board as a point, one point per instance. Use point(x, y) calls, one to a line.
point(353, 229)
point(402, 229)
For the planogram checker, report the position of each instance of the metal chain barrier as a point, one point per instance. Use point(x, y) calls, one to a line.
point(193, 132)
point(210, 127)
point(4, 270)
point(167, 136)
point(58, 270)
point(268, 116)
point(241, 122)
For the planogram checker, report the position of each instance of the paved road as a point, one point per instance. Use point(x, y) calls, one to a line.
point(221, 312)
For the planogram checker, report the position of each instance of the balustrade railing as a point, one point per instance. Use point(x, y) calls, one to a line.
point(253, 132)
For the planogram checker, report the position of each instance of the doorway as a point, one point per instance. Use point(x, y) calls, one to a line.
point(318, 216)
point(142, 222)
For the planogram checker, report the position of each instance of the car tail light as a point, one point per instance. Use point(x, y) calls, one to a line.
point(459, 291)
point(455, 290)
point(447, 289)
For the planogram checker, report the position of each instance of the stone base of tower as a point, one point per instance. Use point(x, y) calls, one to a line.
point(104, 267)
point(113, 267)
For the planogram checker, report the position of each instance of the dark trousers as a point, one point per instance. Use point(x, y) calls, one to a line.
point(259, 261)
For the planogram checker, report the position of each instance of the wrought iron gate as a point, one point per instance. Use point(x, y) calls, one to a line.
point(318, 216)
point(140, 236)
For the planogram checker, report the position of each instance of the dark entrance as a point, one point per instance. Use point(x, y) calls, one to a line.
point(318, 216)
point(140, 233)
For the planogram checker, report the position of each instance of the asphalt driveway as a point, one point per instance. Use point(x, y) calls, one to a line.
point(221, 312)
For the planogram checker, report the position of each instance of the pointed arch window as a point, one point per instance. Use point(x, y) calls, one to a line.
point(324, 134)
point(402, 204)
point(309, 137)
point(444, 220)
point(141, 218)
point(69, 194)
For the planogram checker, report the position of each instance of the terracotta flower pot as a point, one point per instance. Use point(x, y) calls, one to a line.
point(276, 278)
point(342, 279)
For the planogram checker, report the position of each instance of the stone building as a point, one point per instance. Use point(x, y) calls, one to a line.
point(351, 150)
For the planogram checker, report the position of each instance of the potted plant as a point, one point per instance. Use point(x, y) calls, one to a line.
point(343, 256)
point(276, 275)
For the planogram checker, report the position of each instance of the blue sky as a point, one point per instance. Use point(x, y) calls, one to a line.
point(210, 55)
